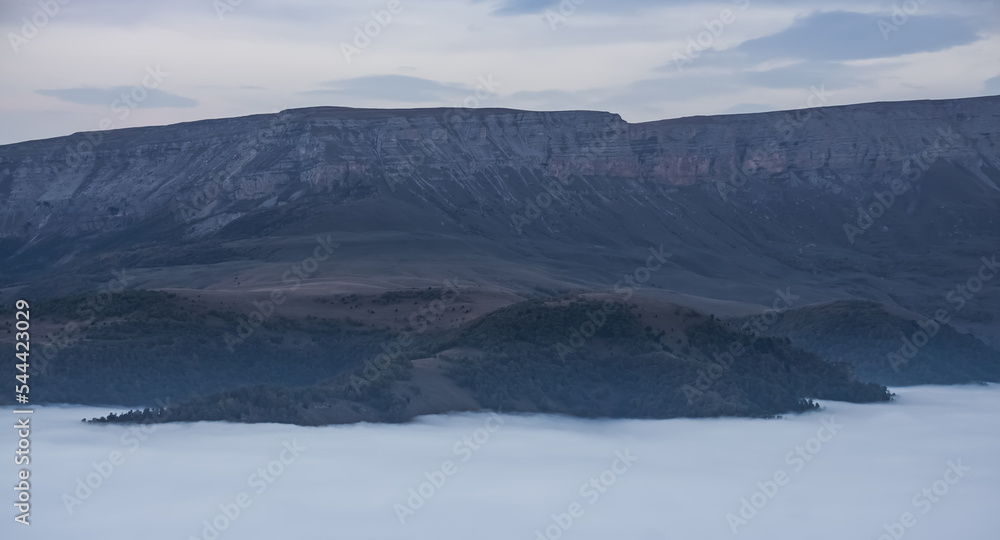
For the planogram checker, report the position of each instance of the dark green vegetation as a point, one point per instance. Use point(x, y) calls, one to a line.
point(579, 357)
point(144, 347)
point(624, 370)
point(576, 356)
point(887, 348)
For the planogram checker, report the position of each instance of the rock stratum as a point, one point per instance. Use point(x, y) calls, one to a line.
point(212, 172)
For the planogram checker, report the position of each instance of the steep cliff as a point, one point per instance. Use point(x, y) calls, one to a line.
point(213, 171)
point(830, 201)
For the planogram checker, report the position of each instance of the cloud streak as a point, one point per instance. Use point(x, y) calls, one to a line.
point(105, 96)
point(395, 88)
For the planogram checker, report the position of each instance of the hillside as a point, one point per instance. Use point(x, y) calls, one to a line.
point(519, 200)
point(891, 348)
point(230, 259)
point(536, 356)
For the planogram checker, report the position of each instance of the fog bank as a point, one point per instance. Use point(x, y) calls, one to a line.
point(847, 471)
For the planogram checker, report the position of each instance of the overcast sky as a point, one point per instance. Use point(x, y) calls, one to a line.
point(69, 69)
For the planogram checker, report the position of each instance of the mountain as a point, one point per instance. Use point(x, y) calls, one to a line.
point(325, 219)
point(889, 345)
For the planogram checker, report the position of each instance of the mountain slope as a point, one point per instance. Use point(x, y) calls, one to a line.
point(891, 348)
point(894, 203)
point(580, 196)
point(581, 357)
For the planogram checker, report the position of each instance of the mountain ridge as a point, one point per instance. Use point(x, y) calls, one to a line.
point(894, 204)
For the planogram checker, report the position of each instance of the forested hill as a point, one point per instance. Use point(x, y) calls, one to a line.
point(580, 357)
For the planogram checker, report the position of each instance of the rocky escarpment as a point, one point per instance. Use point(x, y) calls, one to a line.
point(208, 173)
point(884, 201)
point(837, 146)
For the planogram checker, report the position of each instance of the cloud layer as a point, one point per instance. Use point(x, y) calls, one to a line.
point(844, 472)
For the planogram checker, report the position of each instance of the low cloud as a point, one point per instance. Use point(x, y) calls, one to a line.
point(396, 88)
point(992, 86)
point(154, 99)
point(506, 480)
point(843, 35)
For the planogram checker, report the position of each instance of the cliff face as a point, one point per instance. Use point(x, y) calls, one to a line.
point(883, 201)
point(213, 171)
point(205, 174)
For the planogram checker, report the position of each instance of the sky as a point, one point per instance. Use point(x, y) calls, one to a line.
point(74, 65)
point(846, 471)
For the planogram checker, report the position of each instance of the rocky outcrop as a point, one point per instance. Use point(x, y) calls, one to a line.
point(206, 174)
